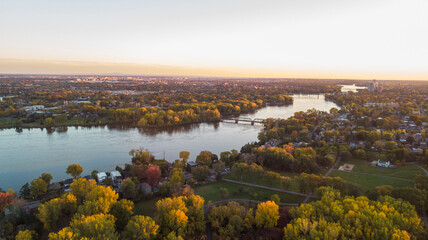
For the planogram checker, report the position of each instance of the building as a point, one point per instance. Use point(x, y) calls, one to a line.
point(101, 176)
point(374, 86)
point(383, 163)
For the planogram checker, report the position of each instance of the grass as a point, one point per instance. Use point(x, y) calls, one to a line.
point(248, 178)
point(146, 207)
point(211, 192)
point(406, 171)
point(370, 182)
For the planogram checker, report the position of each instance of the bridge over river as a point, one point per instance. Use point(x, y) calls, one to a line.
point(242, 119)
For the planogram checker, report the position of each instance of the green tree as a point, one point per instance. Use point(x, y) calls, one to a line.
point(201, 173)
point(141, 228)
point(129, 189)
point(50, 213)
point(47, 177)
point(49, 122)
point(74, 170)
point(122, 210)
point(38, 187)
point(275, 198)
point(267, 214)
point(26, 235)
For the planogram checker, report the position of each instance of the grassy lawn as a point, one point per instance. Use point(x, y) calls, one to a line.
point(147, 207)
point(262, 181)
point(211, 192)
point(370, 182)
point(405, 171)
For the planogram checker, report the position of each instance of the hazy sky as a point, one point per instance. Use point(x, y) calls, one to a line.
point(383, 39)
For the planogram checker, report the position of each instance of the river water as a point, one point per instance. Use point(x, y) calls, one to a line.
point(26, 155)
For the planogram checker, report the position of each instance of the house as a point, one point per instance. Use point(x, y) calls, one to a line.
point(30, 208)
point(68, 182)
point(101, 176)
point(144, 188)
point(383, 163)
point(54, 187)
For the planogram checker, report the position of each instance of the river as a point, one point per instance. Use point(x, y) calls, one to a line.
point(26, 155)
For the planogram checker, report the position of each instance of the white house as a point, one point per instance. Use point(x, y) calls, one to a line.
point(383, 163)
point(101, 176)
point(115, 175)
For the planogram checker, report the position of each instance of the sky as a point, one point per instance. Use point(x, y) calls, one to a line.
point(365, 39)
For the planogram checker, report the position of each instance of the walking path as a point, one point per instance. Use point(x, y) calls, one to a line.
point(270, 188)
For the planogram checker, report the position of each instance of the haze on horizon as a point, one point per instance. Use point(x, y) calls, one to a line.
point(382, 39)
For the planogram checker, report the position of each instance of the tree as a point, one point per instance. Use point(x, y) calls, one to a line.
point(47, 177)
point(184, 155)
point(25, 191)
point(153, 174)
point(5, 199)
point(224, 193)
point(81, 187)
point(122, 211)
point(275, 198)
point(204, 158)
point(50, 213)
point(96, 227)
point(171, 215)
point(129, 189)
point(334, 217)
point(98, 200)
point(201, 173)
point(38, 187)
point(219, 167)
point(267, 214)
point(74, 170)
point(49, 122)
point(26, 235)
point(141, 228)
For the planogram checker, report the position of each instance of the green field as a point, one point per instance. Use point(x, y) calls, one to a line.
point(246, 177)
point(370, 182)
point(405, 171)
point(210, 192)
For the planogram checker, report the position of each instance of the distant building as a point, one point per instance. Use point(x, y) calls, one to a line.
point(374, 86)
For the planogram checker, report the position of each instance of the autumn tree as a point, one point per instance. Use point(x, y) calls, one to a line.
point(81, 187)
point(74, 170)
point(267, 214)
point(153, 174)
point(141, 228)
point(184, 155)
point(96, 227)
point(5, 199)
point(337, 217)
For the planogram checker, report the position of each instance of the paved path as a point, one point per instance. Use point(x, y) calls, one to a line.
point(426, 172)
point(269, 188)
point(375, 175)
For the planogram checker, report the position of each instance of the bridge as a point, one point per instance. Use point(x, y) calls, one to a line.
point(238, 119)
